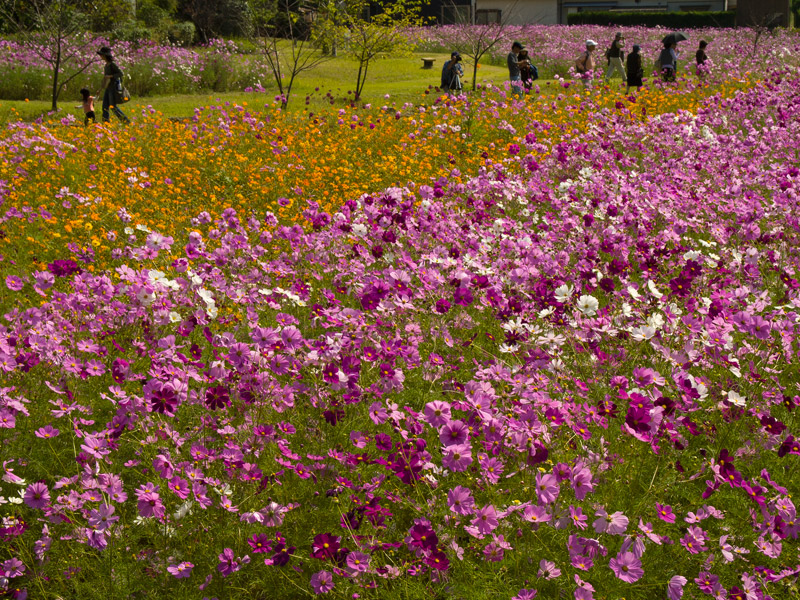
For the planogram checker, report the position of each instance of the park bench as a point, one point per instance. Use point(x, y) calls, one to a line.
point(427, 63)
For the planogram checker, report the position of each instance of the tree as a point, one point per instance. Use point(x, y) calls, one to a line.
point(474, 41)
point(215, 18)
point(348, 24)
point(285, 42)
point(55, 31)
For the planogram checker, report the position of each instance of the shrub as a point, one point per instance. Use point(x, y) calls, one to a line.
point(672, 20)
point(182, 34)
point(130, 31)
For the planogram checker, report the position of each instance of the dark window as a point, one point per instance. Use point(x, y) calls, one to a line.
point(487, 16)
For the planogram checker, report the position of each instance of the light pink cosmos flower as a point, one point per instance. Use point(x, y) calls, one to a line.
point(548, 569)
point(615, 524)
point(627, 567)
point(675, 587)
point(47, 432)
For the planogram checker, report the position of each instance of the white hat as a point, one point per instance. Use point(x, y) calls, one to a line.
point(590, 43)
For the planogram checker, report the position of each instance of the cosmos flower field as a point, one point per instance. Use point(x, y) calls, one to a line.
point(468, 348)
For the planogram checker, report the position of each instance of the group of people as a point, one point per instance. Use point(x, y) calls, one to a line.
point(633, 69)
point(109, 90)
point(521, 70)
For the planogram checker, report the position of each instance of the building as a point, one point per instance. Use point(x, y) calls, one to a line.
point(551, 12)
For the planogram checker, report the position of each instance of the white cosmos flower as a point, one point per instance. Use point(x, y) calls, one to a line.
point(641, 334)
point(633, 292)
point(563, 293)
point(507, 348)
point(656, 320)
point(654, 290)
point(736, 399)
point(627, 309)
point(588, 305)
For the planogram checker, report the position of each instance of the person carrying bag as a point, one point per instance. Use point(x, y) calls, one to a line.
point(112, 90)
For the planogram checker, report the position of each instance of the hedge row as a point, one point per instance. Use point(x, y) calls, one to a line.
point(670, 20)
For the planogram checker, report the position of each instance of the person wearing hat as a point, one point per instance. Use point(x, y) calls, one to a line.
point(112, 78)
point(514, 73)
point(614, 55)
point(585, 64)
point(452, 72)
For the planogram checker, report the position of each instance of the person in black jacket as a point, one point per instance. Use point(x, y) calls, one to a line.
point(615, 55)
point(634, 68)
point(112, 80)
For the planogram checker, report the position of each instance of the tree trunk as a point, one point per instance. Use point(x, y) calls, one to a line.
point(474, 75)
point(56, 67)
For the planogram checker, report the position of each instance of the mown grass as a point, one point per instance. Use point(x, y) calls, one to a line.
point(403, 78)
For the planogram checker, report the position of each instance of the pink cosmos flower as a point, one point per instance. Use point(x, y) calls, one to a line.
point(47, 432)
point(627, 567)
point(584, 591)
point(675, 587)
point(437, 413)
point(453, 433)
point(525, 594)
point(227, 563)
point(150, 505)
point(457, 458)
point(321, 582)
point(615, 524)
point(547, 488)
point(102, 518)
point(37, 495)
point(579, 519)
point(665, 513)
point(357, 562)
point(181, 571)
point(485, 520)
point(460, 501)
point(548, 569)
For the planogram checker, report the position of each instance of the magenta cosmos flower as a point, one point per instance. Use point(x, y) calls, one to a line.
point(181, 571)
point(627, 567)
point(460, 501)
point(675, 587)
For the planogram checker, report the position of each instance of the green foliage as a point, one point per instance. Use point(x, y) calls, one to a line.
point(671, 20)
point(182, 34)
point(107, 15)
point(130, 31)
point(150, 13)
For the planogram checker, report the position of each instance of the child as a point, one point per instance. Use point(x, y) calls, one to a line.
point(634, 68)
point(701, 58)
point(88, 107)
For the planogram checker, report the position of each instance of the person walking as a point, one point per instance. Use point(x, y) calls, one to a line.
point(112, 82)
point(514, 73)
point(615, 55)
point(668, 59)
point(585, 63)
point(634, 68)
point(452, 72)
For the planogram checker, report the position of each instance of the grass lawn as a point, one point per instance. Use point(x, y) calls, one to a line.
point(403, 79)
